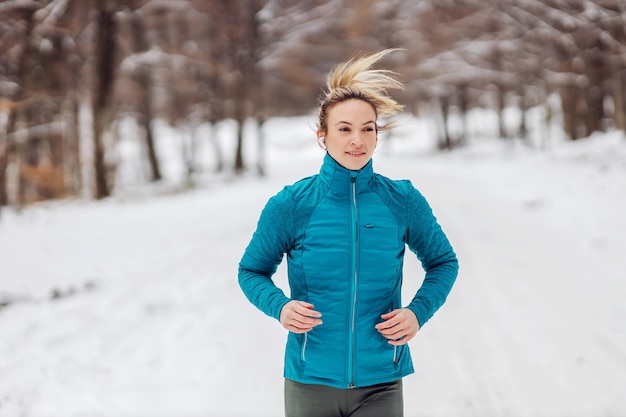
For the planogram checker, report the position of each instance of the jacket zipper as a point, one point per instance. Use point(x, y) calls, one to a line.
point(355, 269)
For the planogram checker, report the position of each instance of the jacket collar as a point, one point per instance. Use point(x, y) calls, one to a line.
point(335, 175)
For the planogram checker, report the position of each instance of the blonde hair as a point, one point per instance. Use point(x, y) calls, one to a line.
point(355, 79)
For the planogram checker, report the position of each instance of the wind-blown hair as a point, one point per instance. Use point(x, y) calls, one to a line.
point(355, 79)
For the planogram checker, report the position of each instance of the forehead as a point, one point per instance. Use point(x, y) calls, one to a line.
point(353, 110)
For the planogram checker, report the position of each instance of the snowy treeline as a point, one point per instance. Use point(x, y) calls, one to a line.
point(72, 71)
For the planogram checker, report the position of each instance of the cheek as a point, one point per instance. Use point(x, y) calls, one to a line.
point(334, 141)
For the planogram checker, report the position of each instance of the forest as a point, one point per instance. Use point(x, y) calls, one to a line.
point(71, 71)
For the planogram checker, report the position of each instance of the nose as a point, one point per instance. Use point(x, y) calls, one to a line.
point(357, 139)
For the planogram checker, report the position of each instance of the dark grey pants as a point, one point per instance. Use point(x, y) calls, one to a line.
point(307, 400)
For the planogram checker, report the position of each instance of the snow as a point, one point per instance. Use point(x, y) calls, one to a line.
point(148, 318)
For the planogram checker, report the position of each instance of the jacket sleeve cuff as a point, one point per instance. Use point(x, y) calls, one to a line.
point(420, 312)
point(277, 307)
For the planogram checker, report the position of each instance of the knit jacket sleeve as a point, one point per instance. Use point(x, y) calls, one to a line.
point(269, 243)
point(428, 241)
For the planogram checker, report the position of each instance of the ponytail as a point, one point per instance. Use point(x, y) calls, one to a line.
point(355, 79)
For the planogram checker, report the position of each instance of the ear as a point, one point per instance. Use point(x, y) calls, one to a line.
point(321, 139)
point(320, 142)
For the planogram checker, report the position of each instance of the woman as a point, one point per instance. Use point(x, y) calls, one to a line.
point(344, 232)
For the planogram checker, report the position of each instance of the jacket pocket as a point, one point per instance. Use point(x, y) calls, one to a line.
point(321, 360)
point(303, 351)
point(398, 353)
point(396, 349)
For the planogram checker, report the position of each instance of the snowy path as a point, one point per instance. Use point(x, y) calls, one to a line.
point(534, 326)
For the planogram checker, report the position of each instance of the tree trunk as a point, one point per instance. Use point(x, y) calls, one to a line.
point(145, 120)
point(239, 165)
point(523, 124)
point(595, 110)
point(622, 78)
point(72, 164)
point(217, 148)
point(501, 104)
point(568, 105)
point(4, 163)
point(594, 94)
point(619, 97)
point(260, 165)
point(144, 80)
point(4, 153)
point(445, 141)
point(155, 166)
point(463, 107)
point(103, 79)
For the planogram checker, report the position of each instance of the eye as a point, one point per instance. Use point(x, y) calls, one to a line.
point(369, 129)
point(344, 129)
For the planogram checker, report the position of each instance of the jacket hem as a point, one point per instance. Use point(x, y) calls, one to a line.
point(345, 385)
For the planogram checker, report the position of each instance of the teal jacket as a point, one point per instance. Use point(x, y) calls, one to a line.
point(344, 233)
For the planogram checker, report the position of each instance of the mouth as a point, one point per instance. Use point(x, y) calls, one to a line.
point(355, 153)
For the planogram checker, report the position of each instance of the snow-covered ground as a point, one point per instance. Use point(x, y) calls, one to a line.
point(130, 307)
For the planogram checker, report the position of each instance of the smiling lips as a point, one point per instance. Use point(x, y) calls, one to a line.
point(356, 153)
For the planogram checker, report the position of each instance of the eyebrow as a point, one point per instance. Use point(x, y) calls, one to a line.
point(348, 123)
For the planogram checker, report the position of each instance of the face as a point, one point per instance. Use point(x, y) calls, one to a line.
point(351, 135)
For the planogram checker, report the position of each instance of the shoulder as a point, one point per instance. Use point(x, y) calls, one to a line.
point(400, 187)
point(304, 185)
point(288, 191)
point(304, 192)
point(292, 195)
point(400, 194)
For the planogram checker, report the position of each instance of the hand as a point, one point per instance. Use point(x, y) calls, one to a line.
point(399, 327)
point(299, 316)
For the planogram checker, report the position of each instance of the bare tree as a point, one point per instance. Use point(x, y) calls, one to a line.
point(104, 73)
point(194, 63)
point(142, 73)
